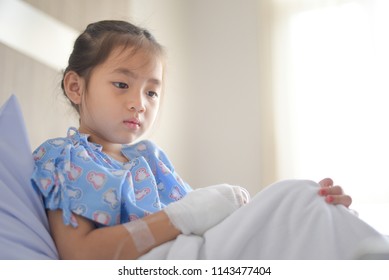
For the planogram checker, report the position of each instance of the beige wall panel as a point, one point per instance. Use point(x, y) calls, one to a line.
point(78, 13)
point(37, 87)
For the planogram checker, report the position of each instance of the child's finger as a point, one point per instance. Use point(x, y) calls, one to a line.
point(326, 183)
point(345, 200)
point(336, 190)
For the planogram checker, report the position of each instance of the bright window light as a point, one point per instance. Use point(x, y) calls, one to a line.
point(337, 98)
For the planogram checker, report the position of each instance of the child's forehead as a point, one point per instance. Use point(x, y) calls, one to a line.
point(138, 63)
point(132, 58)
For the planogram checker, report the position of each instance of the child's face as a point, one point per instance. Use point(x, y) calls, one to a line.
point(123, 97)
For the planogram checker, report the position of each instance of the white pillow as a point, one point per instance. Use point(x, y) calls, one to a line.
point(24, 231)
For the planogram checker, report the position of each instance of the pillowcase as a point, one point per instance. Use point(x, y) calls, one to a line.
point(24, 230)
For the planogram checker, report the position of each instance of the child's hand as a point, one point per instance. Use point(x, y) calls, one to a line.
point(333, 194)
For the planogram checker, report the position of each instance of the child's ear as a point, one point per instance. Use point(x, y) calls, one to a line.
point(74, 86)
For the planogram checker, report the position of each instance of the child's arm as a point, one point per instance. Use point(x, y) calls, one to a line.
point(198, 211)
point(87, 242)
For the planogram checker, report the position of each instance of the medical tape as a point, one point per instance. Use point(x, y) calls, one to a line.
point(141, 235)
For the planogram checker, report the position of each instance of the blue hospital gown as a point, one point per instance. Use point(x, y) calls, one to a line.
point(74, 175)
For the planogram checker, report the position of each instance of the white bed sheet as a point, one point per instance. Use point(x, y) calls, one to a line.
point(287, 220)
point(375, 214)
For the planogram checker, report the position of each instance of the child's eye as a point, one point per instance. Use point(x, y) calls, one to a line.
point(152, 94)
point(120, 85)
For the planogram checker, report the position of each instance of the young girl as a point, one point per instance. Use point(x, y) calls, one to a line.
point(108, 199)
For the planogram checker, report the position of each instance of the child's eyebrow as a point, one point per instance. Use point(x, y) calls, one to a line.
point(133, 75)
point(125, 71)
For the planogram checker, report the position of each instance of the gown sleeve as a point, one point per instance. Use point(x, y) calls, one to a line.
point(74, 178)
point(52, 163)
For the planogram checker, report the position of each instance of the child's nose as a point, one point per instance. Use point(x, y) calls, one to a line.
point(137, 103)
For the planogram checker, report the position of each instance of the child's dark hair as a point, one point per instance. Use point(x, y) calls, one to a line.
point(95, 44)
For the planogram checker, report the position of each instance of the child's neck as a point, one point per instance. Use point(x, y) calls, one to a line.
point(116, 154)
point(111, 149)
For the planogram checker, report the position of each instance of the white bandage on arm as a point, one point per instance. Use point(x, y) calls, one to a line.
point(204, 208)
point(236, 194)
point(141, 235)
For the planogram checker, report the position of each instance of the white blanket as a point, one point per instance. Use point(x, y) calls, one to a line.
point(287, 220)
